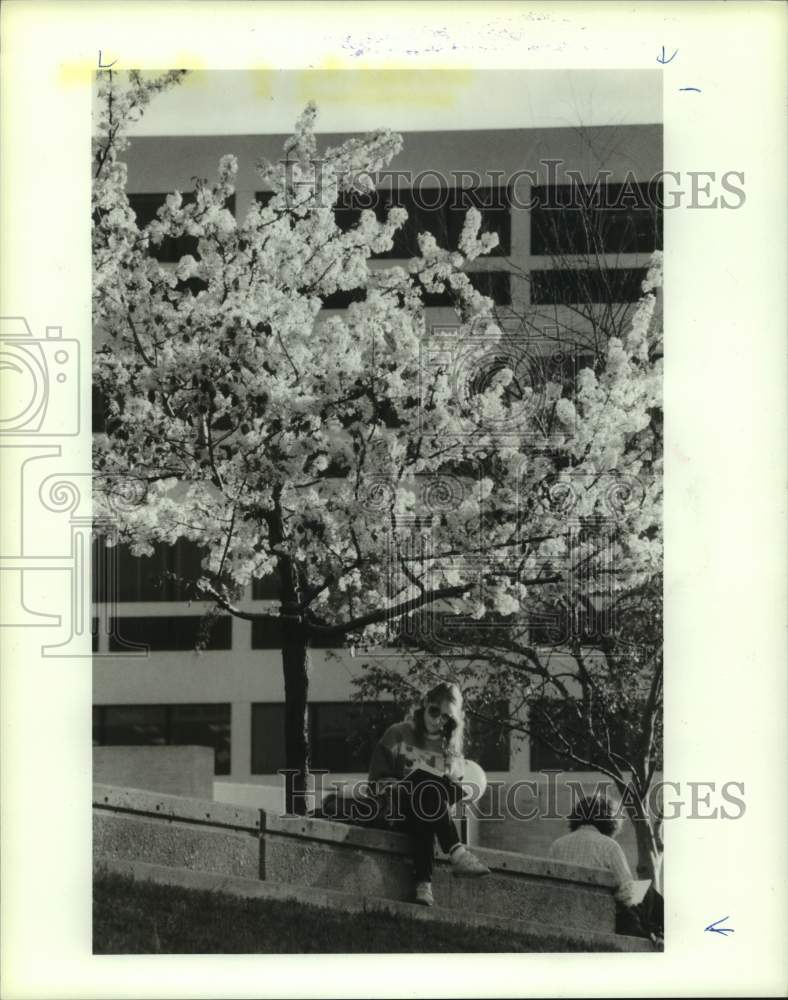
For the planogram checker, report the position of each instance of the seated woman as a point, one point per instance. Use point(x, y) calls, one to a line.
point(432, 739)
point(593, 825)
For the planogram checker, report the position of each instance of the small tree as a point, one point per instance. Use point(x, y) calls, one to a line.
point(579, 664)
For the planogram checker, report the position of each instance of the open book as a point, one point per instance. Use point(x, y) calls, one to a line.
point(424, 773)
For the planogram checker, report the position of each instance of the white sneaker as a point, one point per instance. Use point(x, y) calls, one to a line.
point(423, 894)
point(467, 865)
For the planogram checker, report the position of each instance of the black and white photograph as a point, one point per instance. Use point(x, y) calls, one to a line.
point(387, 482)
point(378, 493)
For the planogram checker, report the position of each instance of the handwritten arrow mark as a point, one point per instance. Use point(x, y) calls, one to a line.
point(663, 60)
point(714, 929)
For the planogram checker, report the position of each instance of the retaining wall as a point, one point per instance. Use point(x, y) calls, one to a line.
point(202, 835)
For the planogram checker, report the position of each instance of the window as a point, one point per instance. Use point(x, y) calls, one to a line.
point(130, 725)
point(171, 249)
point(613, 218)
point(268, 738)
point(440, 211)
point(563, 715)
point(98, 411)
point(495, 284)
point(164, 576)
point(343, 297)
point(202, 725)
point(342, 735)
point(170, 633)
point(166, 725)
point(268, 635)
point(266, 587)
point(567, 286)
point(487, 738)
point(624, 732)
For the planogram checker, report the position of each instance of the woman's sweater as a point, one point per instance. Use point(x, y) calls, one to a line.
point(400, 750)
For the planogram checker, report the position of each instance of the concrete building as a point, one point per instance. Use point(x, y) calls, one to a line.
point(230, 695)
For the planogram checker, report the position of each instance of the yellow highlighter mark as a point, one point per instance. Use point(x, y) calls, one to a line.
point(77, 72)
point(439, 88)
point(81, 72)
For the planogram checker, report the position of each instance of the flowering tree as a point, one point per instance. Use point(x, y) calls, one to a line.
point(579, 664)
point(279, 438)
point(375, 468)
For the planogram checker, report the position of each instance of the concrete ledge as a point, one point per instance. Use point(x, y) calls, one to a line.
point(353, 903)
point(176, 770)
point(324, 855)
point(159, 804)
point(318, 854)
point(197, 834)
point(330, 832)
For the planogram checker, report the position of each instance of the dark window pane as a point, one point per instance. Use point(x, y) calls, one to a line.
point(266, 587)
point(548, 750)
point(342, 298)
point(165, 725)
point(203, 726)
point(164, 576)
point(167, 633)
point(192, 285)
point(495, 284)
point(266, 635)
point(487, 739)
point(98, 411)
point(564, 718)
point(98, 726)
point(426, 213)
point(610, 218)
point(135, 725)
point(268, 738)
point(344, 734)
point(439, 211)
point(171, 249)
point(569, 286)
point(328, 642)
point(493, 204)
point(94, 627)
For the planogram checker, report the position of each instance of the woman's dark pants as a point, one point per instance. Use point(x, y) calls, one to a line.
point(423, 811)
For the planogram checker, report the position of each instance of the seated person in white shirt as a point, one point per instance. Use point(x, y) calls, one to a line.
point(594, 823)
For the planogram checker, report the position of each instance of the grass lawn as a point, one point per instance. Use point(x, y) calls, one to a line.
point(131, 917)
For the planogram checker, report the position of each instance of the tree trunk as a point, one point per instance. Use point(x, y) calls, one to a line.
point(649, 863)
point(295, 666)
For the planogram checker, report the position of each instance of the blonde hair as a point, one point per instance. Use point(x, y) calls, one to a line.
point(443, 692)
